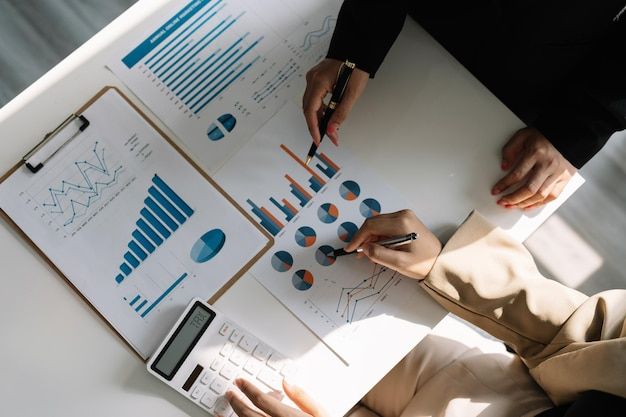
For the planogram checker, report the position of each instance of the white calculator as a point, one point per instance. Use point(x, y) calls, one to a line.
point(205, 352)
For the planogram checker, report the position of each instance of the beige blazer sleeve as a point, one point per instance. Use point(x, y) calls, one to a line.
point(571, 343)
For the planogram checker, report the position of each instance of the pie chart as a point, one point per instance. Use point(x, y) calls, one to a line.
point(349, 190)
point(346, 231)
point(302, 280)
point(324, 255)
point(208, 246)
point(226, 122)
point(369, 208)
point(282, 261)
point(328, 213)
point(305, 236)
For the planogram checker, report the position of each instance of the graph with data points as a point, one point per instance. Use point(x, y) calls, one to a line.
point(92, 175)
point(354, 302)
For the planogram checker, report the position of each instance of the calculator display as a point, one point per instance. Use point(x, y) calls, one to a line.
point(182, 341)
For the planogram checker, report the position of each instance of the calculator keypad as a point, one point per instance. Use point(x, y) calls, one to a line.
point(240, 355)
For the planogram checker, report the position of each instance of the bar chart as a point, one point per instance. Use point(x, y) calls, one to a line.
point(139, 301)
point(198, 53)
point(326, 167)
point(163, 213)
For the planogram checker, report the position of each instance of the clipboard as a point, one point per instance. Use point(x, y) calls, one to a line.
point(54, 143)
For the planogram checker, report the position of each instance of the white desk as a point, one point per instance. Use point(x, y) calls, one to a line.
point(436, 136)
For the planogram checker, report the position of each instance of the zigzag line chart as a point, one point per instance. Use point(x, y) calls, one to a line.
point(312, 37)
point(371, 288)
point(83, 186)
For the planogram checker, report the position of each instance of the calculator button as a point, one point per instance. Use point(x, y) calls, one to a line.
point(208, 400)
point(238, 357)
point(222, 407)
point(206, 378)
point(225, 329)
point(229, 372)
point(195, 394)
point(271, 379)
point(218, 386)
point(247, 343)
point(227, 349)
point(276, 361)
point(253, 366)
point(235, 336)
point(217, 364)
point(262, 352)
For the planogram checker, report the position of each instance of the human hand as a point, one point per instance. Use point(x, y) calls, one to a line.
point(414, 260)
point(267, 405)
point(320, 81)
point(538, 172)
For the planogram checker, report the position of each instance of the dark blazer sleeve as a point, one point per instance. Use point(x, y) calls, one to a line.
point(580, 117)
point(365, 31)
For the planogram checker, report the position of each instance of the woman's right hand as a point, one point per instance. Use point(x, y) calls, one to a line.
point(320, 81)
point(414, 260)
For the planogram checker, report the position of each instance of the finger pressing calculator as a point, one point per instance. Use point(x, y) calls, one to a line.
point(205, 352)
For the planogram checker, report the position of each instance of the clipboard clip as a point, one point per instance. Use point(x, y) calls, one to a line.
point(54, 141)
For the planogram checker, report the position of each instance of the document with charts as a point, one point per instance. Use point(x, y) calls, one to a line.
point(131, 223)
point(349, 303)
point(221, 74)
point(214, 71)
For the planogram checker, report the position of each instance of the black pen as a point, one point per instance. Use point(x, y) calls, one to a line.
point(392, 242)
point(345, 71)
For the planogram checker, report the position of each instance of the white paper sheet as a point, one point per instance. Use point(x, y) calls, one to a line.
point(349, 303)
point(127, 220)
point(215, 70)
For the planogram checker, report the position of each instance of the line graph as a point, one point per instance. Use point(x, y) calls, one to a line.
point(84, 185)
point(312, 37)
point(371, 288)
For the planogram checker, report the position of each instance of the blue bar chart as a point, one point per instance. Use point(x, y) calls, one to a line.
point(285, 208)
point(199, 53)
point(139, 301)
point(164, 212)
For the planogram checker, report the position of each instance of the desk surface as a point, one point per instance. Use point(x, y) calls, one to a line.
point(436, 136)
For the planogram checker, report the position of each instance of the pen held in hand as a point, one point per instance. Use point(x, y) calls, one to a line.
point(387, 243)
point(345, 71)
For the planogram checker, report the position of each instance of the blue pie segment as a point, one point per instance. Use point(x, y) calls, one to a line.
point(209, 245)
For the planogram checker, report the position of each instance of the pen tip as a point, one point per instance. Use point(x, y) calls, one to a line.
point(308, 159)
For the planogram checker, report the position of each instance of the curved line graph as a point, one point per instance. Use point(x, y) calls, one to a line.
point(311, 37)
point(90, 189)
